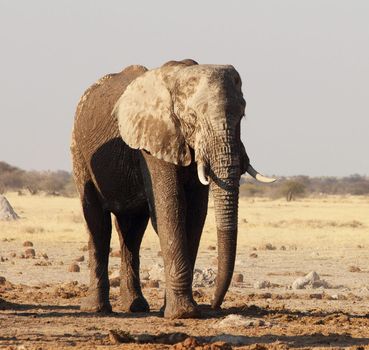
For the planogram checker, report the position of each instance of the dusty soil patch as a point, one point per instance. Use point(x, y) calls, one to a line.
point(39, 298)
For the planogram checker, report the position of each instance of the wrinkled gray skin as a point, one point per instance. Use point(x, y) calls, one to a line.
point(135, 153)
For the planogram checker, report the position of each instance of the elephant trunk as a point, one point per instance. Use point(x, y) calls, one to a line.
point(225, 175)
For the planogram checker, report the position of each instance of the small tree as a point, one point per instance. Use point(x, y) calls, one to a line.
point(292, 189)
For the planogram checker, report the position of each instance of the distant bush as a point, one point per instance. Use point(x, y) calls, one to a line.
point(61, 182)
point(298, 186)
point(58, 182)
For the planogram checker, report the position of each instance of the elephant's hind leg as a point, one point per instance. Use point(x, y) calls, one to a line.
point(131, 229)
point(99, 228)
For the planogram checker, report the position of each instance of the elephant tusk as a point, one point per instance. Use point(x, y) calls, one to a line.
point(204, 179)
point(258, 176)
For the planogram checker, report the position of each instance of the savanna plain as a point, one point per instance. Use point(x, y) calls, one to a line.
point(301, 280)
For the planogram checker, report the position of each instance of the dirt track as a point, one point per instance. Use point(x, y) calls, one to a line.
point(40, 307)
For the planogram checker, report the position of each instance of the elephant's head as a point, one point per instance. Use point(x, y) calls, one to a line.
point(183, 105)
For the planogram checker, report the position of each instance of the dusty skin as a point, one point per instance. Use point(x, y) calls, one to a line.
point(279, 242)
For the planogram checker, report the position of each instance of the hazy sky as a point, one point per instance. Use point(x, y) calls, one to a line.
point(304, 65)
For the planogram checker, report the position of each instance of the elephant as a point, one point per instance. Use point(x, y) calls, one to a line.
point(148, 144)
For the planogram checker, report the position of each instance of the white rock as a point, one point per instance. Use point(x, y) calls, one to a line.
point(156, 272)
point(6, 210)
point(241, 321)
point(204, 278)
point(311, 280)
point(262, 284)
point(300, 283)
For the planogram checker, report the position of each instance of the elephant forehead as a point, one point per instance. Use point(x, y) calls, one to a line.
point(206, 79)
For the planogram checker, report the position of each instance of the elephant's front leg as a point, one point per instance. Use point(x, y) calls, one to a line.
point(164, 187)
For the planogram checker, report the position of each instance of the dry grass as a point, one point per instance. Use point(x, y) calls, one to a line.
point(310, 222)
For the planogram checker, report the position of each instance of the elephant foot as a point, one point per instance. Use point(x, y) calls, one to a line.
point(181, 307)
point(134, 304)
point(92, 303)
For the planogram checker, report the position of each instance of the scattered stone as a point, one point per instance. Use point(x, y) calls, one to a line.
point(253, 255)
point(211, 247)
point(268, 246)
point(80, 258)
point(238, 277)
point(262, 284)
point(283, 248)
point(6, 211)
point(156, 272)
point(114, 282)
point(266, 295)
point(2, 259)
point(188, 343)
point(335, 297)
point(160, 253)
point(115, 254)
point(316, 296)
point(22, 256)
point(43, 263)
point(84, 248)
point(152, 284)
point(353, 268)
point(241, 321)
point(2, 280)
point(29, 253)
point(145, 275)
point(45, 256)
point(13, 255)
point(74, 268)
point(27, 244)
point(204, 278)
point(311, 280)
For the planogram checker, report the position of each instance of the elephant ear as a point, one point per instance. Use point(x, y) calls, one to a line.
point(147, 121)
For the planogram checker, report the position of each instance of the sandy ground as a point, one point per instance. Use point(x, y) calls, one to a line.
point(279, 242)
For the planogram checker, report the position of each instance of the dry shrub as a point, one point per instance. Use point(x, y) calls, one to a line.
point(33, 229)
point(76, 218)
point(317, 224)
